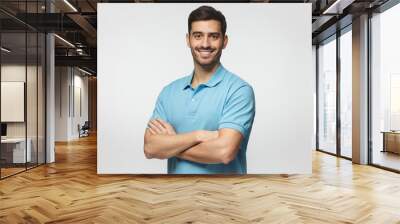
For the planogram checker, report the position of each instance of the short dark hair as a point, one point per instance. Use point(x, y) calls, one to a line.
point(207, 13)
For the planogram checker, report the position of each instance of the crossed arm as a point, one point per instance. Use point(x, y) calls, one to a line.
point(161, 142)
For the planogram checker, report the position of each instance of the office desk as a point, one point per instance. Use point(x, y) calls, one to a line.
point(13, 150)
point(391, 141)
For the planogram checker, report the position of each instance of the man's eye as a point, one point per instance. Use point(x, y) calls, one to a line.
point(197, 36)
point(214, 37)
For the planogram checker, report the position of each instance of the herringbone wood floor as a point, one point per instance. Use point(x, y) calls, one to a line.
point(70, 191)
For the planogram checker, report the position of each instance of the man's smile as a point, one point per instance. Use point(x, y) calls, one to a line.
point(205, 52)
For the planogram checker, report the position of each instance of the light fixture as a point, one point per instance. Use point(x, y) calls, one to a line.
point(84, 71)
point(79, 51)
point(338, 6)
point(5, 50)
point(64, 40)
point(70, 5)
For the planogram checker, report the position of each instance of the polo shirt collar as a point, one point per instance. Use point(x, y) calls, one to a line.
point(213, 81)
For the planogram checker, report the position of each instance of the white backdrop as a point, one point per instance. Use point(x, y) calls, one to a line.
point(142, 48)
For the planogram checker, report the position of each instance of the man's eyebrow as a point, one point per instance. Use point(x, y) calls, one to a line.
point(211, 33)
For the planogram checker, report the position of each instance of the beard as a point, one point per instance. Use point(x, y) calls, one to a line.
point(209, 63)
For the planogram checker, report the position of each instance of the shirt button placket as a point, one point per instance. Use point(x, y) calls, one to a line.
point(192, 105)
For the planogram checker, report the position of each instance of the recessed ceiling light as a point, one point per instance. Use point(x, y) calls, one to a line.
point(5, 50)
point(70, 5)
point(84, 71)
point(337, 7)
point(64, 40)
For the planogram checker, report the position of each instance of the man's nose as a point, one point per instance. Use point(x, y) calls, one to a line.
point(205, 43)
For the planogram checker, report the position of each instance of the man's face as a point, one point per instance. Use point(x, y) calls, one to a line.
point(206, 42)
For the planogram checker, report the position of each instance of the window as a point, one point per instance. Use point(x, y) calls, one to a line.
point(385, 88)
point(327, 96)
point(346, 93)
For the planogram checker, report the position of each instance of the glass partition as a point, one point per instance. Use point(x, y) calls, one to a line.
point(385, 89)
point(327, 96)
point(32, 95)
point(22, 77)
point(346, 94)
point(41, 107)
point(13, 109)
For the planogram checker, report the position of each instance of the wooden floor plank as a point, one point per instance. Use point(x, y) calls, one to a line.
point(70, 191)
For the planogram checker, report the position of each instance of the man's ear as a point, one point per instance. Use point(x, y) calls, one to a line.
point(187, 40)
point(225, 41)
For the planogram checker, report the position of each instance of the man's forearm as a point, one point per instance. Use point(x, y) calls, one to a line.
point(166, 146)
point(222, 149)
point(211, 152)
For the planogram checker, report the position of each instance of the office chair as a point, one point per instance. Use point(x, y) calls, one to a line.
point(84, 130)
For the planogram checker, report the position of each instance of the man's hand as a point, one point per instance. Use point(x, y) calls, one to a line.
point(158, 126)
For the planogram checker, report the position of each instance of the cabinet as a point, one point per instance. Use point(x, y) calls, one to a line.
point(391, 142)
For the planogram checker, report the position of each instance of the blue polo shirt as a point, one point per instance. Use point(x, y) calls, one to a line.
point(225, 101)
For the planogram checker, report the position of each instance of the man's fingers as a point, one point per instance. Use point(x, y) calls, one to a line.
point(155, 127)
point(161, 127)
point(151, 131)
point(157, 124)
point(168, 126)
point(152, 127)
point(165, 124)
point(161, 123)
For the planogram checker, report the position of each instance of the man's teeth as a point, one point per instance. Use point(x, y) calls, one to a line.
point(205, 52)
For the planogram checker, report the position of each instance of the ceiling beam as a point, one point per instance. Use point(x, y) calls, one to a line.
point(337, 7)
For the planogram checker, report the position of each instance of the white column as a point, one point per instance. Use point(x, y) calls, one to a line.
point(360, 90)
point(50, 100)
point(50, 92)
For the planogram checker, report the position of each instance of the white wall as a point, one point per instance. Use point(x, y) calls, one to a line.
point(61, 103)
point(68, 81)
point(80, 84)
point(141, 48)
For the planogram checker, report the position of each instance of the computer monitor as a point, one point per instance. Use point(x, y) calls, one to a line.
point(3, 129)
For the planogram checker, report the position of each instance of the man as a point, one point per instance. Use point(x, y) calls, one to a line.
point(202, 122)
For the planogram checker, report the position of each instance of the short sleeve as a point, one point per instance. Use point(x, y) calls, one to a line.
point(159, 109)
point(239, 110)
